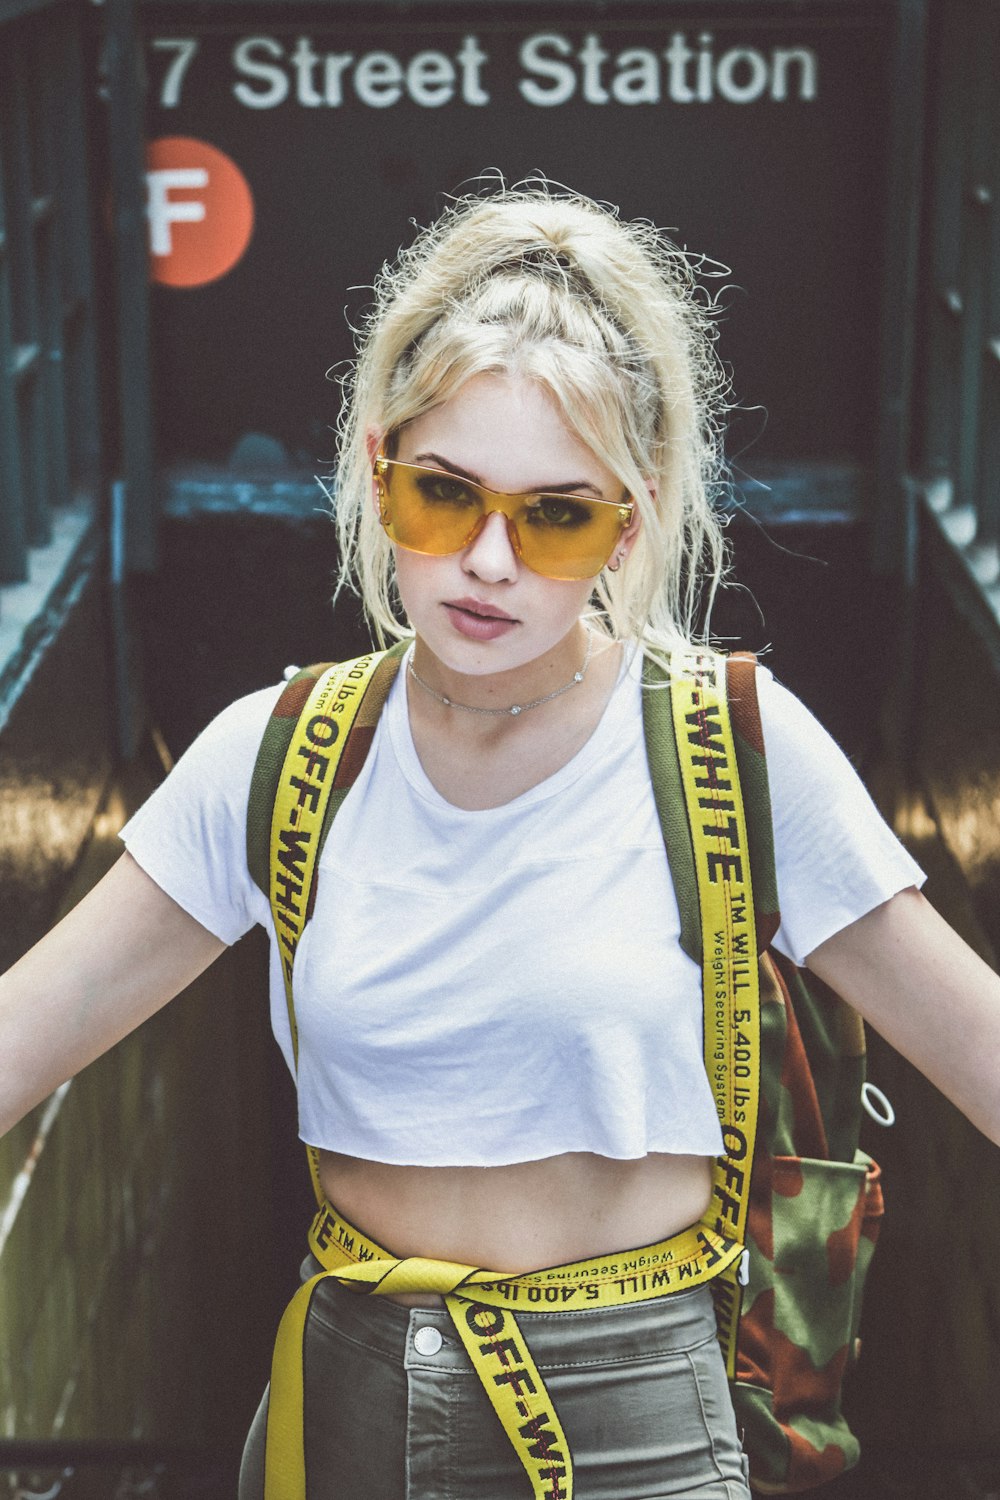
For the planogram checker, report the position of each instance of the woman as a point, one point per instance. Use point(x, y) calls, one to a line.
point(532, 428)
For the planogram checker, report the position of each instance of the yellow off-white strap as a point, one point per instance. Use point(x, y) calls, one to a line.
point(306, 781)
point(731, 980)
point(304, 787)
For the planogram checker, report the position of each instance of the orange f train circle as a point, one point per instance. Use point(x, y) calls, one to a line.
point(200, 211)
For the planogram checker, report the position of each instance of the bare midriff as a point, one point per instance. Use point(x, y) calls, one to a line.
point(522, 1217)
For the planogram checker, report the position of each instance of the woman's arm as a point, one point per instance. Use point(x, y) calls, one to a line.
point(117, 957)
point(935, 1000)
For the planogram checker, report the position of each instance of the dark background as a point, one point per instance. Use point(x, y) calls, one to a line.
point(790, 196)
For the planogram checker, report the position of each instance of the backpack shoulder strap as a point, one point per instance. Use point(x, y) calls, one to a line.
point(712, 802)
point(668, 793)
point(312, 749)
point(277, 738)
point(311, 752)
point(751, 761)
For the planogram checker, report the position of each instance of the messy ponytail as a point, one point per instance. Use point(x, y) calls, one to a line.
point(606, 316)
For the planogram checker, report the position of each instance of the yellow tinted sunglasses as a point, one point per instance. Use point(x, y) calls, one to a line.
point(437, 513)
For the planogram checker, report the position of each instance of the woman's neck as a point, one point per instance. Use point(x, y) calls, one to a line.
point(477, 760)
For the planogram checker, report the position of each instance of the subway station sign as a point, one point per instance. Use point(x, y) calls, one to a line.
point(285, 162)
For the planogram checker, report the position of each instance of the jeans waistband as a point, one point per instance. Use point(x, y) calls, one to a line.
point(588, 1336)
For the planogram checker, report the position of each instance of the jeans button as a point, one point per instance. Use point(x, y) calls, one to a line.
point(427, 1340)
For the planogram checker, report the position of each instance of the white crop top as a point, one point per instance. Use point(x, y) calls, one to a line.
point(480, 988)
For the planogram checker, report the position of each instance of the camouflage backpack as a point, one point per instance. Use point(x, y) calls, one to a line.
point(789, 1320)
point(815, 1199)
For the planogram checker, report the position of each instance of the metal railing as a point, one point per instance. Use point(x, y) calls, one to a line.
point(65, 1469)
point(49, 418)
point(961, 384)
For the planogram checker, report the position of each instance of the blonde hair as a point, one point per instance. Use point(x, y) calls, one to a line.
point(609, 318)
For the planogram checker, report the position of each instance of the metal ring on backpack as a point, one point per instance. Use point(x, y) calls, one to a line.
point(877, 1105)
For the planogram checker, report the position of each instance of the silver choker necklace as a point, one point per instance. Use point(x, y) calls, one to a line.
point(515, 708)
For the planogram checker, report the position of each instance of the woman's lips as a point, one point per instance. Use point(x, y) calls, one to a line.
point(478, 621)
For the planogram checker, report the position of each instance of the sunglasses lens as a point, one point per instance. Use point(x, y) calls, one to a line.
point(427, 511)
point(558, 536)
point(566, 536)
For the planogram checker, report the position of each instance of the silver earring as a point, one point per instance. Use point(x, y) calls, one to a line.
point(619, 559)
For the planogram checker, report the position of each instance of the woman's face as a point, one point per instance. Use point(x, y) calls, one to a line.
point(481, 610)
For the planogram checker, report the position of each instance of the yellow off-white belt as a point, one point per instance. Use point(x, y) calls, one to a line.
point(483, 1307)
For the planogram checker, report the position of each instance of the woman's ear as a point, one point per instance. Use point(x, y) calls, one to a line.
point(628, 537)
point(373, 442)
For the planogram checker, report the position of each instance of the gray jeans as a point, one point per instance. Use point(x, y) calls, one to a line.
point(396, 1414)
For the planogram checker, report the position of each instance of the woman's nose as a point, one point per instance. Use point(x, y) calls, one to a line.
point(490, 555)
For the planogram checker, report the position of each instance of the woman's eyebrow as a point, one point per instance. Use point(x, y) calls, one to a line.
point(573, 487)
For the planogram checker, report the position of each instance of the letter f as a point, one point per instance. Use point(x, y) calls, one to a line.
point(162, 210)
